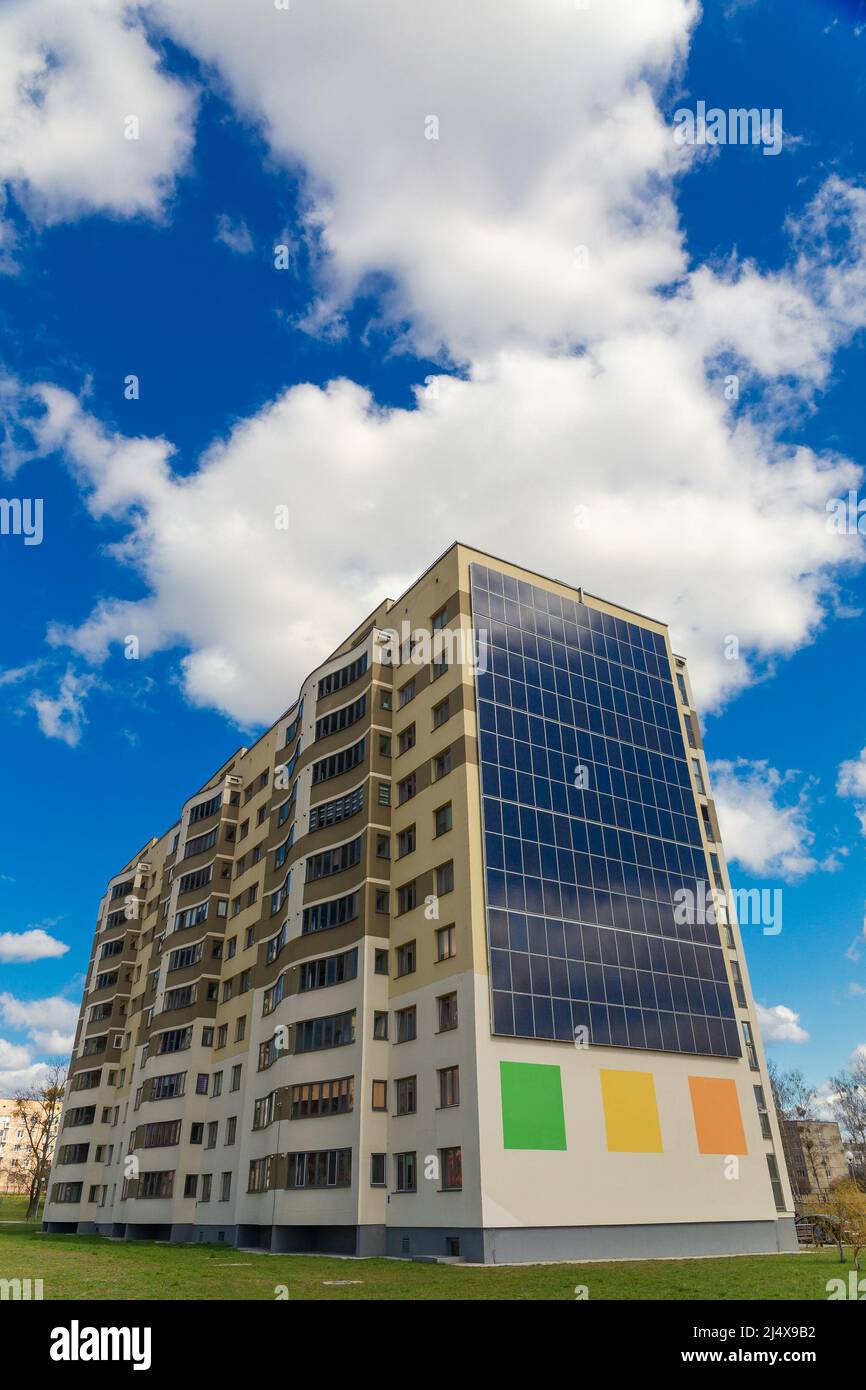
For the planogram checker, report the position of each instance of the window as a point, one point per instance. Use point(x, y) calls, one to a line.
point(441, 712)
point(191, 917)
point(332, 812)
point(763, 1113)
point(205, 1187)
point(407, 897)
point(406, 842)
point(66, 1192)
point(384, 794)
point(323, 1168)
point(406, 789)
point(333, 861)
point(442, 820)
point(447, 1012)
point(406, 739)
point(260, 1174)
point(446, 948)
point(338, 763)
point(451, 1168)
point(442, 764)
point(407, 1095)
point(156, 1184)
point(445, 878)
point(240, 1028)
point(328, 970)
point(197, 879)
point(380, 1096)
point(384, 745)
point(449, 1087)
point(332, 913)
point(708, 824)
point(748, 1039)
point(312, 1098)
point(334, 1030)
point(170, 1086)
point(383, 846)
point(385, 701)
point(198, 843)
point(205, 809)
point(217, 1085)
point(212, 1129)
point(407, 1024)
point(380, 963)
point(377, 1170)
point(699, 777)
point(383, 901)
point(160, 1135)
point(236, 1076)
point(439, 620)
point(190, 1184)
point(737, 976)
point(338, 680)
point(406, 693)
point(341, 718)
point(225, 1187)
point(776, 1182)
point(196, 1133)
point(406, 1171)
point(681, 684)
point(380, 1026)
point(404, 959)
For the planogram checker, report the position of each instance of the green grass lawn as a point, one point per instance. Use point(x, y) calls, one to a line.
point(92, 1267)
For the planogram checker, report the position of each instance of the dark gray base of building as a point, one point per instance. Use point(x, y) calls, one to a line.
point(508, 1245)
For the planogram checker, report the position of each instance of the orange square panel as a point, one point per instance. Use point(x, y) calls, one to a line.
point(718, 1122)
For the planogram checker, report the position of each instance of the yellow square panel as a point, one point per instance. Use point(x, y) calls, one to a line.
point(631, 1114)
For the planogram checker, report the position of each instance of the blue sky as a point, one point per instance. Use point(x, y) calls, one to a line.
point(450, 262)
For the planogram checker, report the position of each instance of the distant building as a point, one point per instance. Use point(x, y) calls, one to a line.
point(16, 1154)
point(817, 1157)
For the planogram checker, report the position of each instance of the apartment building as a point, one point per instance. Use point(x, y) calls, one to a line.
point(440, 966)
point(17, 1159)
point(816, 1157)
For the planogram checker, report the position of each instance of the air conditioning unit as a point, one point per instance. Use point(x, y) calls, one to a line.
point(232, 780)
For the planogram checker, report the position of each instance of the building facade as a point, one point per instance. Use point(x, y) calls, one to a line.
point(18, 1162)
point(816, 1157)
point(440, 966)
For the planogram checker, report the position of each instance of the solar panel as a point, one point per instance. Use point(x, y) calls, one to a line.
point(590, 831)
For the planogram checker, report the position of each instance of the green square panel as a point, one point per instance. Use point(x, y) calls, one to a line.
point(532, 1114)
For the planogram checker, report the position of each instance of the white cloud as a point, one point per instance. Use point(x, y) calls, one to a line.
point(62, 715)
point(71, 74)
point(235, 235)
point(32, 944)
point(780, 1024)
point(766, 834)
point(49, 1023)
point(852, 783)
point(18, 1072)
point(584, 387)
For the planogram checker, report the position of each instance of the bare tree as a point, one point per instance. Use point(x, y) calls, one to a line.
point(805, 1147)
point(848, 1106)
point(37, 1112)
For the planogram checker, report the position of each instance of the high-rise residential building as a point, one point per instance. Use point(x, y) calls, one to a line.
point(440, 965)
